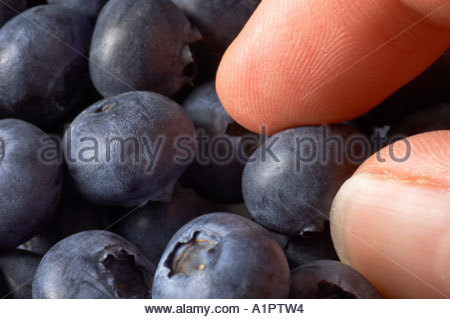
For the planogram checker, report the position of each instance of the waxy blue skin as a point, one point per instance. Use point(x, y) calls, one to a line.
point(10, 8)
point(42, 68)
point(290, 195)
point(29, 187)
point(17, 268)
point(206, 111)
point(222, 255)
point(150, 228)
point(130, 175)
point(329, 279)
point(93, 264)
point(90, 8)
point(219, 22)
point(141, 45)
point(221, 182)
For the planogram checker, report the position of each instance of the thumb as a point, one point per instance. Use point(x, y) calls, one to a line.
point(391, 220)
point(324, 61)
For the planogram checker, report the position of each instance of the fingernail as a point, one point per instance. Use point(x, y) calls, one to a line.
point(394, 232)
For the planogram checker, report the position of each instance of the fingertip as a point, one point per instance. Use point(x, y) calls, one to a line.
point(393, 226)
point(246, 70)
point(320, 61)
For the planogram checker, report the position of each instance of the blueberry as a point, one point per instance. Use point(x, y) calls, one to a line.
point(303, 250)
point(141, 45)
point(122, 150)
point(213, 178)
point(90, 8)
point(205, 109)
point(151, 227)
point(289, 183)
point(433, 118)
point(429, 88)
point(329, 279)
point(17, 268)
point(10, 8)
point(42, 69)
point(219, 21)
point(93, 264)
point(29, 186)
point(222, 255)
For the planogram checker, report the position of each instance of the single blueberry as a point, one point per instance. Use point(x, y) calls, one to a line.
point(222, 255)
point(10, 8)
point(141, 45)
point(30, 186)
point(150, 228)
point(219, 21)
point(290, 181)
point(329, 279)
point(17, 268)
point(90, 8)
point(206, 111)
point(217, 172)
point(129, 149)
point(42, 68)
point(95, 265)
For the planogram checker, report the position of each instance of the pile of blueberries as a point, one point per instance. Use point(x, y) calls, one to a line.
point(122, 176)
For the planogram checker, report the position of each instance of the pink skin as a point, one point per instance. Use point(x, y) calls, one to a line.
point(322, 61)
point(390, 220)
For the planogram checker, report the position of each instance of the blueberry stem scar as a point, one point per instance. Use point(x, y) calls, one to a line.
point(175, 265)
